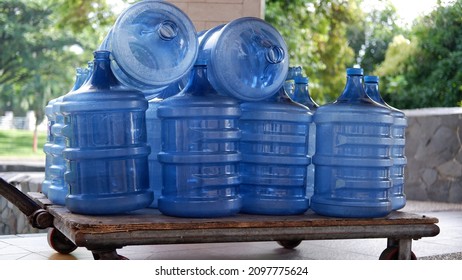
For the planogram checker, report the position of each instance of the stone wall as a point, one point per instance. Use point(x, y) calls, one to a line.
point(434, 154)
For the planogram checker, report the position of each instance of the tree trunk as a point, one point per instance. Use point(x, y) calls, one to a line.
point(35, 140)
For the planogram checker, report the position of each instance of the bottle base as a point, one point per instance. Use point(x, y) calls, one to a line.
point(155, 202)
point(275, 206)
point(45, 187)
point(199, 208)
point(108, 204)
point(350, 209)
point(57, 195)
point(398, 202)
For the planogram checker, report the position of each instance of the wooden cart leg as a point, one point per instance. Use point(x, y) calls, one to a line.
point(398, 249)
point(405, 249)
point(107, 254)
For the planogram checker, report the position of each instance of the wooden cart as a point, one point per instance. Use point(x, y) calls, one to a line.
point(103, 235)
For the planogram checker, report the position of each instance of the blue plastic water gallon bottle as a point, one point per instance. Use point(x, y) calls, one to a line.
point(398, 131)
point(247, 58)
point(200, 151)
point(153, 44)
point(301, 95)
point(47, 146)
point(352, 159)
point(153, 129)
point(58, 189)
point(275, 158)
point(106, 148)
point(289, 84)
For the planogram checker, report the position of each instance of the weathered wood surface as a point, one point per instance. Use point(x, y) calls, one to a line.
point(149, 226)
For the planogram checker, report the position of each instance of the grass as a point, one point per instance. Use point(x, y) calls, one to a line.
point(18, 143)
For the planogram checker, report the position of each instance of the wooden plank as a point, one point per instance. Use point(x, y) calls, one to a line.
point(149, 226)
point(100, 239)
point(152, 219)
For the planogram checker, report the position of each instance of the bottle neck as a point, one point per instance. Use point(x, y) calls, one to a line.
point(301, 92)
point(102, 76)
point(302, 96)
point(198, 83)
point(79, 80)
point(354, 91)
point(372, 90)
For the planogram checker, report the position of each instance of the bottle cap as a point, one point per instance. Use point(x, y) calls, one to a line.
point(355, 71)
point(371, 79)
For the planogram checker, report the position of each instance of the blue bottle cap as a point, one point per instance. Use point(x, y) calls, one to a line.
point(355, 71)
point(153, 44)
point(371, 79)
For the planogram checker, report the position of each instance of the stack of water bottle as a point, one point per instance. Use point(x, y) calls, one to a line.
point(216, 123)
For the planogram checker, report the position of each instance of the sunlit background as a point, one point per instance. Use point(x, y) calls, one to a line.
point(411, 44)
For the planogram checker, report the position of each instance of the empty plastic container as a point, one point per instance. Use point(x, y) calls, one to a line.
point(301, 95)
point(275, 158)
point(106, 148)
point(153, 130)
point(246, 58)
point(200, 151)
point(398, 131)
point(47, 146)
point(58, 188)
point(153, 44)
point(289, 84)
point(352, 159)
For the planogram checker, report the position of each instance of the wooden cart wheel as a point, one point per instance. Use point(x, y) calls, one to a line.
point(289, 244)
point(107, 255)
point(391, 253)
point(59, 242)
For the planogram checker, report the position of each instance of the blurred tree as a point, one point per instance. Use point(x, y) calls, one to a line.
point(41, 43)
point(29, 46)
point(392, 72)
point(315, 32)
point(428, 67)
point(371, 36)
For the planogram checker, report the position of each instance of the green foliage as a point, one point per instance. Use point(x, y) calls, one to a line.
point(371, 36)
point(18, 143)
point(429, 71)
point(37, 61)
point(315, 32)
point(31, 52)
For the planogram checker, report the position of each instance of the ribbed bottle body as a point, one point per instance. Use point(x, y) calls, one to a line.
point(398, 134)
point(153, 131)
point(274, 149)
point(200, 156)
point(107, 153)
point(58, 189)
point(352, 159)
point(47, 146)
point(397, 195)
point(106, 147)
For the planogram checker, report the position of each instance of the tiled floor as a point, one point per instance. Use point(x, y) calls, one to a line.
point(446, 245)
